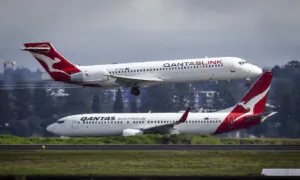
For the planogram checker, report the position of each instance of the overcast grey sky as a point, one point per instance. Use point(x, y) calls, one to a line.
point(264, 32)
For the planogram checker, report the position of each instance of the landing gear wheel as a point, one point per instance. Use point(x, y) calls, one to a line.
point(248, 83)
point(135, 91)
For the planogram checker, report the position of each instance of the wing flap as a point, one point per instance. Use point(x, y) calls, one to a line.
point(134, 80)
point(166, 128)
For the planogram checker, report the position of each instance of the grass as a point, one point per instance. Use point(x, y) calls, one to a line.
point(144, 162)
point(146, 139)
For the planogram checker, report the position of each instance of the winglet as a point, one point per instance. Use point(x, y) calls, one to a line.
point(184, 116)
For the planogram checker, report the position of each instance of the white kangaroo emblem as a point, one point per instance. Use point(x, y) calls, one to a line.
point(49, 62)
point(251, 104)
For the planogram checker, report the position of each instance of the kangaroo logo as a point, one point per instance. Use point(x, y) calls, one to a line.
point(249, 106)
point(49, 62)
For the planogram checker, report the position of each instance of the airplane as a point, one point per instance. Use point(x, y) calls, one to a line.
point(246, 113)
point(136, 74)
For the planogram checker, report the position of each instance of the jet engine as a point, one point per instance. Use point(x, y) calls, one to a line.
point(132, 132)
point(89, 76)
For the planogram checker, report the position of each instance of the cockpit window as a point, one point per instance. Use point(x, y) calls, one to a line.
point(242, 62)
point(60, 122)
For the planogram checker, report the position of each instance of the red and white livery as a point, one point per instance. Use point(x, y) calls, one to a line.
point(246, 113)
point(137, 74)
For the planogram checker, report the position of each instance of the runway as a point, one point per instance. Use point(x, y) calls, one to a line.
point(153, 147)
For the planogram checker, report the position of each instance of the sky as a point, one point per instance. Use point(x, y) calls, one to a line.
point(264, 32)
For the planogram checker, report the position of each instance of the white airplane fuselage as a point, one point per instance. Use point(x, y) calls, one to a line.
point(247, 112)
point(173, 71)
point(137, 74)
point(96, 125)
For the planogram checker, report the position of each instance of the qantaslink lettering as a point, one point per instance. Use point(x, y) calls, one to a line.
point(193, 63)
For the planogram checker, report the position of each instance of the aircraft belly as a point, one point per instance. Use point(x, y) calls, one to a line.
point(184, 77)
point(109, 83)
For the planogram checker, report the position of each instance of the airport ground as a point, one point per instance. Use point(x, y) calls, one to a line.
point(233, 163)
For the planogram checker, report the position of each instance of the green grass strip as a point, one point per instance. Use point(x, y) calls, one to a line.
point(147, 139)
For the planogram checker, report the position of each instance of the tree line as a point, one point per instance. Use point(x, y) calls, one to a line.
point(28, 111)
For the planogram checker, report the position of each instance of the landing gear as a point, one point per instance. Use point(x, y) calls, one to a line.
point(249, 82)
point(135, 91)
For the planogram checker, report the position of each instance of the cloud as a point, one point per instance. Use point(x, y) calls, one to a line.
point(97, 32)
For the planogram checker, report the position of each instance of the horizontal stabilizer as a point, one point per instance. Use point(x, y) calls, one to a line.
point(262, 116)
point(36, 49)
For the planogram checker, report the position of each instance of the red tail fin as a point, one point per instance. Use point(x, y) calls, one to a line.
point(252, 103)
point(55, 64)
point(255, 99)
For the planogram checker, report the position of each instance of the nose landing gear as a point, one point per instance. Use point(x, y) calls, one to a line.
point(249, 82)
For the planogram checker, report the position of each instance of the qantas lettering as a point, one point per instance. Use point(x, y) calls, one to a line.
point(196, 63)
point(98, 118)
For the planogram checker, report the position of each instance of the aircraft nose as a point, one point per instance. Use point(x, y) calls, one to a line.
point(255, 70)
point(50, 128)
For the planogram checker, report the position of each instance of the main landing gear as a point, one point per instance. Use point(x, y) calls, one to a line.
point(249, 82)
point(135, 91)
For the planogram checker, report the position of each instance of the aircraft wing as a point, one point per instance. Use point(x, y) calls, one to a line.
point(134, 80)
point(166, 128)
point(262, 116)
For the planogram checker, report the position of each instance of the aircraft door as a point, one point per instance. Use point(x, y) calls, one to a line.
point(231, 122)
point(74, 124)
point(232, 68)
